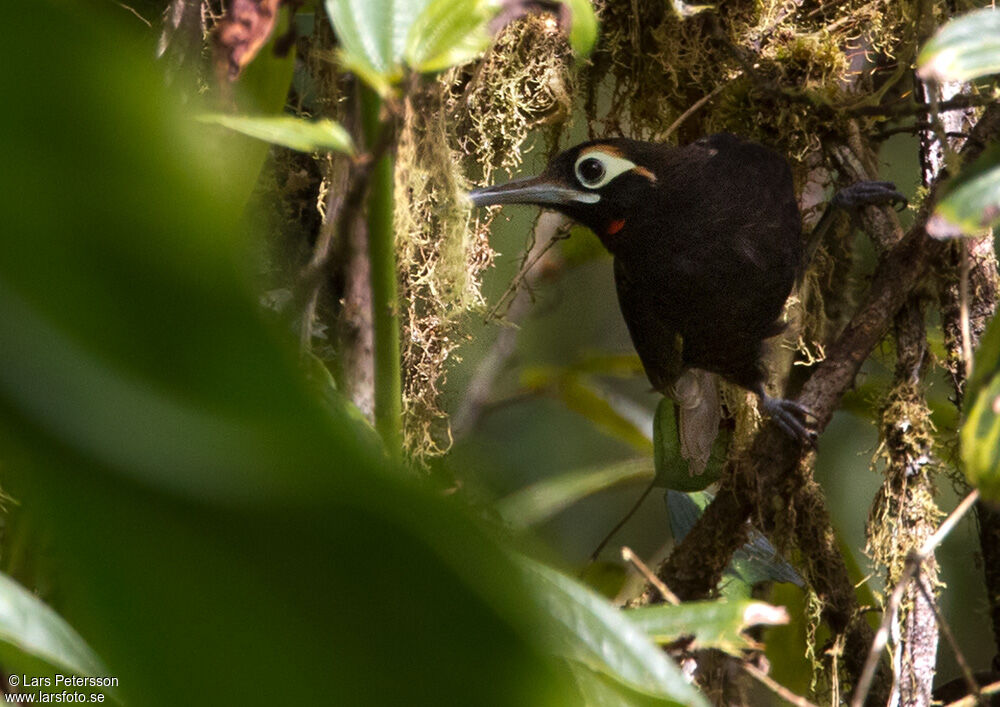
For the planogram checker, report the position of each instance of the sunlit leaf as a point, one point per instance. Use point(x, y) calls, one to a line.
point(36, 641)
point(593, 632)
point(544, 499)
point(711, 624)
point(966, 48)
point(288, 131)
point(980, 436)
point(378, 36)
point(374, 33)
point(583, 30)
point(448, 33)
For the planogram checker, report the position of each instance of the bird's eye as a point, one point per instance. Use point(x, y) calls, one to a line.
point(590, 171)
point(597, 167)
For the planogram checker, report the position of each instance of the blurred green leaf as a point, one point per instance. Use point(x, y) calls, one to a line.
point(262, 89)
point(580, 396)
point(448, 33)
point(599, 689)
point(965, 48)
point(37, 642)
point(601, 637)
point(373, 33)
point(582, 246)
point(980, 437)
point(540, 501)
point(969, 209)
point(196, 490)
point(583, 31)
point(604, 577)
point(624, 365)
point(712, 624)
point(289, 131)
point(985, 364)
point(672, 470)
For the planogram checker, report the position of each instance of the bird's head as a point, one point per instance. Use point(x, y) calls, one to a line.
point(600, 184)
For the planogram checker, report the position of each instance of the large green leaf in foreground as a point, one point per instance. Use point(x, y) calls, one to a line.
point(36, 642)
point(221, 532)
point(594, 634)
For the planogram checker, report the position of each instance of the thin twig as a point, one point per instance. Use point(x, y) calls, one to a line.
point(134, 12)
point(972, 700)
point(479, 393)
point(776, 687)
point(913, 562)
point(694, 108)
point(963, 311)
point(523, 273)
point(659, 584)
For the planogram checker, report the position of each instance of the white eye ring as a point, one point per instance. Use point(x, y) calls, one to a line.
point(612, 164)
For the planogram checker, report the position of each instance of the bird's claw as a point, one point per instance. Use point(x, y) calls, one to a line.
point(791, 417)
point(869, 193)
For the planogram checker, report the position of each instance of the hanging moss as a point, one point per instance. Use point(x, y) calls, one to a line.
point(481, 114)
point(904, 512)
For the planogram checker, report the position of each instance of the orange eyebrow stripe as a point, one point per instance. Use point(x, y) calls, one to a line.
point(642, 171)
point(606, 149)
point(615, 226)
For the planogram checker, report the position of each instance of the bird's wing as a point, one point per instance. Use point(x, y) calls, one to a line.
point(657, 343)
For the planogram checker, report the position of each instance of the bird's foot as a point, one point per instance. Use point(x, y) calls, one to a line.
point(869, 193)
point(791, 417)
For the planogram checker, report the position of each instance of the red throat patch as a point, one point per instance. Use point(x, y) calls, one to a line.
point(615, 226)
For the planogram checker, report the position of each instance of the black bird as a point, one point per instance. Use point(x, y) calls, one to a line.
point(707, 244)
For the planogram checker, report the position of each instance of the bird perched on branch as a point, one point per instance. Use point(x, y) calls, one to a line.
point(707, 244)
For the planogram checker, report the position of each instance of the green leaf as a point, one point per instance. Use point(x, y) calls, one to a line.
point(36, 641)
point(589, 630)
point(373, 34)
point(194, 489)
point(583, 28)
point(601, 690)
point(985, 364)
point(966, 48)
point(289, 131)
point(712, 624)
point(544, 499)
point(448, 33)
point(980, 436)
point(576, 393)
point(378, 36)
point(969, 209)
point(673, 470)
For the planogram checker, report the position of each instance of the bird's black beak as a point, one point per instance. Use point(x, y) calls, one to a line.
point(536, 190)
